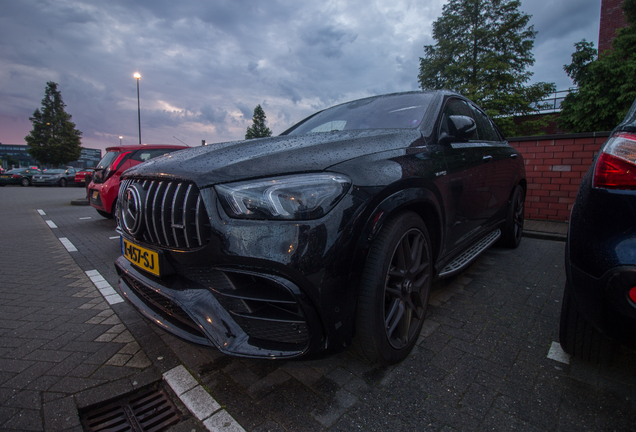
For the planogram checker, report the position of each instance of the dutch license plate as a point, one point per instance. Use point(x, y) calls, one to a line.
point(141, 257)
point(6, 176)
point(95, 193)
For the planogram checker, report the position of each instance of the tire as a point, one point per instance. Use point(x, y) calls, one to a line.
point(105, 214)
point(394, 291)
point(24, 181)
point(63, 182)
point(513, 227)
point(578, 337)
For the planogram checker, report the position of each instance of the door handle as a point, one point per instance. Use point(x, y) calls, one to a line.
point(487, 158)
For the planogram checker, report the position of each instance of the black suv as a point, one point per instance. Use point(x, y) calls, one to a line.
point(326, 236)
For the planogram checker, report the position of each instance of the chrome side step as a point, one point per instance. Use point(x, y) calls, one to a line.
point(470, 254)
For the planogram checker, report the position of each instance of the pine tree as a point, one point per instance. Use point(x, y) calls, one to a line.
point(606, 86)
point(54, 139)
point(258, 128)
point(483, 50)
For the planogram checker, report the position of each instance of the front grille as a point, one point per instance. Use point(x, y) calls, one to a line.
point(163, 306)
point(173, 214)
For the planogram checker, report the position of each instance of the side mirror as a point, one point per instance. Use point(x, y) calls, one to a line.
point(460, 128)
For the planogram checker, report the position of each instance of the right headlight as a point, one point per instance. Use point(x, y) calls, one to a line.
point(294, 197)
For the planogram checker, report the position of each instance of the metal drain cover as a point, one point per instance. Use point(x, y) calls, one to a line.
point(148, 410)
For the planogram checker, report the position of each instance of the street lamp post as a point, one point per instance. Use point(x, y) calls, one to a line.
point(120, 137)
point(137, 76)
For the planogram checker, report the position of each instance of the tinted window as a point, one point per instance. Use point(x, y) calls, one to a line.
point(147, 154)
point(485, 128)
point(392, 111)
point(108, 158)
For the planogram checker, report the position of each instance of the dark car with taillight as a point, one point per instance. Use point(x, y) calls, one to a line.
point(18, 176)
point(599, 302)
point(327, 236)
point(104, 186)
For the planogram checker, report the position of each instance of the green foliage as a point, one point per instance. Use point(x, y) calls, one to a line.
point(483, 50)
point(607, 85)
point(258, 128)
point(53, 139)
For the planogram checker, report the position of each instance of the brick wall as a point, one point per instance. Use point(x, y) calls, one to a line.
point(612, 19)
point(555, 165)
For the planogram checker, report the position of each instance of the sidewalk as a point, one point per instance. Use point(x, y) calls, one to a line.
point(545, 229)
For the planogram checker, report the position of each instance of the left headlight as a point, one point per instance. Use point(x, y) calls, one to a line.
point(303, 196)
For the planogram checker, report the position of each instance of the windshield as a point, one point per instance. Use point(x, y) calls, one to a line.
point(401, 111)
point(107, 159)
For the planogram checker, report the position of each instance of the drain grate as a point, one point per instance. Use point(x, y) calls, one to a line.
point(148, 410)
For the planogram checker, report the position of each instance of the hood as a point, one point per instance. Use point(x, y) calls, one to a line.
point(226, 162)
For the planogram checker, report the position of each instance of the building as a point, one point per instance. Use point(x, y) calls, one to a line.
point(15, 154)
point(612, 19)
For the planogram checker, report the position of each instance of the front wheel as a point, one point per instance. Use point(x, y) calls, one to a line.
point(513, 227)
point(63, 183)
point(25, 181)
point(394, 291)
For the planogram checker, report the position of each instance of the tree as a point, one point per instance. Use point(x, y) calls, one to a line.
point(54, 139)
point(258, 128)
point(606, 86)
point(483, 50)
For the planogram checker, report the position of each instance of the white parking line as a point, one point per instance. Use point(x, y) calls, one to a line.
point(51, 224)
point(115, 237)
point(84, 218)
point(41, 212)
point(104, 287)
point(556, 353)
point(199, 401)
point(67, 244)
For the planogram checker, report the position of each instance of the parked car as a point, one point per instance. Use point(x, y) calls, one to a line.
point(599, 302)
point(81, 176)
point(21, 176)
point(54, 177)
point(326, 236)
point(104, 186)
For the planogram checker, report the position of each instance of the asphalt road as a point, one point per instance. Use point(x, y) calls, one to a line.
point(481, 363)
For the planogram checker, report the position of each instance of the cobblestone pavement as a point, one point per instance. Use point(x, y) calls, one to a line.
point(481, 362)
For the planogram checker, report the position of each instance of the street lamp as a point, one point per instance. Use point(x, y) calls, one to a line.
point(137, 77)
point(120, 137)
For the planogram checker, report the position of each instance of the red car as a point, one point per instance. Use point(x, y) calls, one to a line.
point(104, 187)
point(81, 176)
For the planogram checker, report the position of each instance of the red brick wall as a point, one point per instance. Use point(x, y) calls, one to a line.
point(612, 19)
point(555, 165)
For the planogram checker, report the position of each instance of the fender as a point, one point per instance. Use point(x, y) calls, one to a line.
point(425, 201)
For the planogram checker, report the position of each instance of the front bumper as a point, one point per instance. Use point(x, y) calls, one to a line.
point(240, 313)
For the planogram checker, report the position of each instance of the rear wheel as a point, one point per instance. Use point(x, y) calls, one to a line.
point(63, 182)
point(394, 291)
point(25, 181)
point(578, 337)
point(513, 228)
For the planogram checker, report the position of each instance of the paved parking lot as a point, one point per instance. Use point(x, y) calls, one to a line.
point(481, 362)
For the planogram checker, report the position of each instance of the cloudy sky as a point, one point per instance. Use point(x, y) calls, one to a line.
point(205, 65)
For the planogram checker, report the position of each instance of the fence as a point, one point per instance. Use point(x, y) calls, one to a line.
point(555, 165)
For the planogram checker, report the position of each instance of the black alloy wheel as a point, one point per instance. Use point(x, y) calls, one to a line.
point(63, 182)
point(513, 228)
point(394, 291)
point(25, 181)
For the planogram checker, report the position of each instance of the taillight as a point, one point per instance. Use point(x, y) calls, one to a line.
point(632, 294)
point(616, 165)
point(15, 176)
